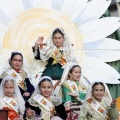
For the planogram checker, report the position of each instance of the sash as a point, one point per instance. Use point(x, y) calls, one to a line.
point(17, 77)
point(97, 107)
point(13, 107)
point(43, 102)
point(58, 58)
point(82, 87)
point(71, 85)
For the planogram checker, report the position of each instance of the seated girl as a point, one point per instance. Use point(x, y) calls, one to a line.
point(73, 89)
point(99, 104)
point(57, 52)
point(15, 69)
point(43, 104)
point(11, 99)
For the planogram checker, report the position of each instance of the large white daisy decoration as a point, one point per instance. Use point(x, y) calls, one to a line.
point(23, 21)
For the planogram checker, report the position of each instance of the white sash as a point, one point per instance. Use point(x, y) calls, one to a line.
point(42, 101)
point(11, 103)
point(72, 86)
point(98, 108)
point(17, 77)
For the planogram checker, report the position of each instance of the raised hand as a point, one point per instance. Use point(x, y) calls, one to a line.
point(26, 94)
point(67, 106)
point(30, 113)
point(39, 42)
point(113, 103)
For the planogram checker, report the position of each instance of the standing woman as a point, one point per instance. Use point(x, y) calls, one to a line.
point(57, 52)
point(15, 70)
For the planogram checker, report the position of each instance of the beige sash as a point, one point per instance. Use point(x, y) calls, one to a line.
point(11, 103)
point(97, 107)
point(71, 85)
point(17, 77)
point(58, 57)
point(43, 102)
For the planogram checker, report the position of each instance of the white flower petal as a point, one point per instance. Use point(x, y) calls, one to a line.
point(95, 24)
point(99, 29)
point(41, 3)
point(11, 9)
point(70, 8)
point(2, 31)
point(94, 69)
point(93, 10)
point(27, 4)
point(94, 32)
point(106, 49)
point(56, 4)
point(3, 18)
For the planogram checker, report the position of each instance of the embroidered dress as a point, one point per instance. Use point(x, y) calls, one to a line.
point(54, 67)
point(94, 110)
point(46, 109)
point(54, 57)
point(7, 103)
point(99, 111)
point(75, 102)
point(15, 104)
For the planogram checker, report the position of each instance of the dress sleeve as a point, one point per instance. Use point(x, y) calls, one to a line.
point(36, 109)
point(84, 114)
point(67, 97)
point(61, 111)
point(113, 112)
point(82, 95)
point(36, 53)
point(30, 87)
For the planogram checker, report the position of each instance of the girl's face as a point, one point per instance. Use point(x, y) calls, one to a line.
point(46, 88)
point(98, 92)
point(76, 73)
point(17, 62)
point(58, 40)
point(9, 88)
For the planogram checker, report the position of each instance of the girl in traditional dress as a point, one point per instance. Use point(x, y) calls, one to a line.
point(15, 69)
point(43, 104)
point(74, 90)
point(99, 104)
point(11, 99)
point(57, 52)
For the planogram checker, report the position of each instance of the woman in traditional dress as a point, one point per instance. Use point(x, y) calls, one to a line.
point(57, 52)
point(11, 99)
point(43, 104)
point(99, 104)
point(15, 69)
point(74, 90)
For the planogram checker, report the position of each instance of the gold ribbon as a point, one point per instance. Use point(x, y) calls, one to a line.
point(58, 58)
